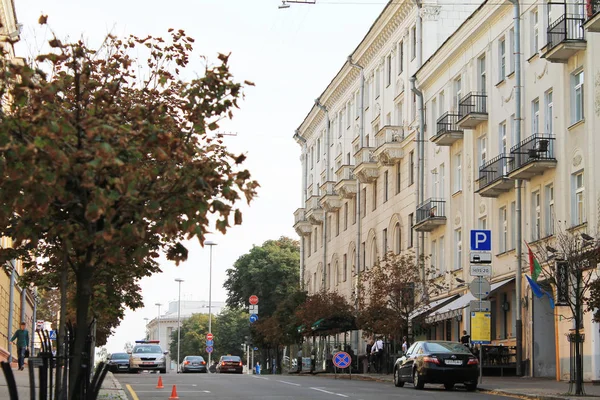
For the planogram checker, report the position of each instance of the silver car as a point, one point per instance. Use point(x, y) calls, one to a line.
point(147, 355)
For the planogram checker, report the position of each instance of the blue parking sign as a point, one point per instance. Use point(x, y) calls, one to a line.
point(481, 240)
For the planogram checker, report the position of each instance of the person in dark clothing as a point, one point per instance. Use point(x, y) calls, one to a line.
point(369, 347)
point(22, 336)
point(466, 339)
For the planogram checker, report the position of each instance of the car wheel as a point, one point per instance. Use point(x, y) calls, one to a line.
point(163, 371)
point(397, 380)
point(471, 387)
point(449, 386)
point(418, 381)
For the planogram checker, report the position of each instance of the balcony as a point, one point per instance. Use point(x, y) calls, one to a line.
point(314, 212)
point(448, 130)
point(532, 156)
point(592, 23)
point(330, 200)
point(472, 110)
point(566, 37)
point(366, 170)
point(389, 149)
point(430, 215)
point(301, 224)
point(493, 176)
point(346, 182)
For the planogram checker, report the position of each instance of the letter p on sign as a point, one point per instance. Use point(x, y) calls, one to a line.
point(481, 240)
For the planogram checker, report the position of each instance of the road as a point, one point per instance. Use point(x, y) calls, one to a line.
point(222, 386)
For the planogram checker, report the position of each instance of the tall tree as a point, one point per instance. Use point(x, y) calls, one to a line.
point(270, 271)
point(107, 158)
point(231, 330)
point(193, 337)
point(336, 314)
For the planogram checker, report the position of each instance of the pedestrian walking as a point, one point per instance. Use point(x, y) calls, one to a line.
point(466, 339)
point(22, 337)
point(377, 353)
point(404, 344)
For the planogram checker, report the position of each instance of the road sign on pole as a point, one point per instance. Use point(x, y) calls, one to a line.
point(253, 299)
point(209, 349)
point(52, 335)
point(481, 240)
point(481, 327)
point(342, 359)
point(253, 318)
point(481, 270)
point(480, 305)
point(209, 336)
point(253, 309)
point(210, 342)
point(480, 287)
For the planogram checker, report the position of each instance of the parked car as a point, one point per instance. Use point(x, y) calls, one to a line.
point(147, 355)
point(230, 364)
point(442, 362)
point(118, 362)
point(193, 364)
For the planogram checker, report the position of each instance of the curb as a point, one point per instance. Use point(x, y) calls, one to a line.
point(115, 392)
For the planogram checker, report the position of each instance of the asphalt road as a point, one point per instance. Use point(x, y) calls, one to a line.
point(225, 386)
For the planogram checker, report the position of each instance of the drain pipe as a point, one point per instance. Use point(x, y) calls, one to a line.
point(361, 133)
point(301, 141)
point(327, 179)
point(518, 208)
point(420, 247)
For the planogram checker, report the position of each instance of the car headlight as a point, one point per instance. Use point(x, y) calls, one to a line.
point(161, 359)
point(136, 358)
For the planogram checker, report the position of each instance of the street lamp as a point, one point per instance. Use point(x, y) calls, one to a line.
point(178, 321)
point(211, 244)
point(158, 321)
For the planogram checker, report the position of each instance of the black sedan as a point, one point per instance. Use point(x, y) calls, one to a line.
point(443, 362)
point(230, 364)
point(118, 362)
point(193, 364)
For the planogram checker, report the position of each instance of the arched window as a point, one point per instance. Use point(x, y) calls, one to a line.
point(353, 261)
point(373, 260)
point(338, 273)
point(397, 239)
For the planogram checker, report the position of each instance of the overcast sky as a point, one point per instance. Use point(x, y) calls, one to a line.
point(290, 54)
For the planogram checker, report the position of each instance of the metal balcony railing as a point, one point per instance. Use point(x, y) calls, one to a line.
point(568, 27)
point(534, 148)
point(431, 209)
point(472, 103)
point(495, 169)
point(448, 123)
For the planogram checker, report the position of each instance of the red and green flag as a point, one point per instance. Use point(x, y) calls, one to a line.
point(535, 269)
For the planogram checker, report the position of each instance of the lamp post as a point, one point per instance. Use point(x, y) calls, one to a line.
point(211, 244)
point(158, 321)
point(178, 321)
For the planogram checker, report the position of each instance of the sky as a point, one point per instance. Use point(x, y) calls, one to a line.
point(290, 54)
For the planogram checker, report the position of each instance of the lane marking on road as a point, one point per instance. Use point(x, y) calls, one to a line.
point(179, 391)
point(132, 392)
point(260, 377)
point(328, 392)
point(290, 383)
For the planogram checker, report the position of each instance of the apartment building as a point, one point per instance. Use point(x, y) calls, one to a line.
point(473, 156)
point(16, 303)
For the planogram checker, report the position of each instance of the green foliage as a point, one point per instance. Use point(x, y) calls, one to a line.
point(331, 307)
point(281, 328)
point(231, 330)
point(193, 337)
point(270, 271)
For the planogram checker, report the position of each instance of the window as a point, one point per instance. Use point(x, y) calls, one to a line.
point(511, 52)
point(377, 83)
point(411, 166)
point(316, 236)
point(398, 177)
point(364, 255)
point(375, 195)
point(578, 199)
point(329, 227)
point(442, 181)
point(549, 115)
point(388, 67)
point(341, 123)
point(435, 183)
point(457, 172)
point(513, 225)
point(534, 31)
point(363, 204)
point(337, 223)
point(536, 215)
point(399, 115)
point(348, 114)
point(312, 157)
point(357, 104)
point(367, 94)
point(319, 146)
point(385, 186)
point(513, 129)
point(457, 92)
point(309, 244)
point(457, 249)
point(503, 139)
point(410, 229)
point(400, 57)
point(577, 97)
point(413, 34)
point(385, 242)
point(345, 268)
point(482, 223)
point(482, 148)
point(482, 81)
point(433, 260)
point(549, 210)
point(502, 59)
point(503, 234)
point(397, 239)
point(535, 116)
point(442, 264)
point(434, 115)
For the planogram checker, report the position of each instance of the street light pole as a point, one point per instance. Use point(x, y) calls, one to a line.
point(158, 321)
point(211, 244)
point(178, 322)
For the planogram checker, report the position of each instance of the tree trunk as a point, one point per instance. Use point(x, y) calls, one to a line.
point(61, 326)
point(82, 301)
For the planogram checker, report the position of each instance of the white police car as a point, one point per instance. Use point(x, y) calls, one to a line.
point(147, 355)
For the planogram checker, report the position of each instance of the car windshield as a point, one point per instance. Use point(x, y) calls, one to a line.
point(446, 347)
point(147, 349)
point(194, 358)
point(231, 358)
point(119, 356)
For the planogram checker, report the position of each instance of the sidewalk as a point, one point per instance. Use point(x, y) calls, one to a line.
point(111, 388)
point(531, 388)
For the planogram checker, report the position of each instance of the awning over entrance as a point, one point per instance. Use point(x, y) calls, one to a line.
point(455, 307)
point(431, 306)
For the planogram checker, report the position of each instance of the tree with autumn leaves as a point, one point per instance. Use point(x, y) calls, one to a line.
point(109, 157)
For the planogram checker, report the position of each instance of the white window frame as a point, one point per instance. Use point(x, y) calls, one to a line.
point(442, 258)
point(549, 209)
point(457, 91)
point(535, 116)
point(442, 172)
point(457, 249)
point(413, 34)
point(549, 114)
point(535, 31)
point(400, 57)
point(503, 225)
point(503, 138)
point(578, 101)
point(482, 75)
point(457, 172)
point(482, 149)
point(511, 51)
point(388, 67)
point(377, 83)
point(513, 225)
point(501, 59)
point(536, 215)
point(578, 198)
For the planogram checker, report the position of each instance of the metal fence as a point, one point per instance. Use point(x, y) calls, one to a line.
point(473, 103)
point(568, 27)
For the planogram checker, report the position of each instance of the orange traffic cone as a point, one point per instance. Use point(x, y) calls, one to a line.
point(174, 394)
point(159, 385)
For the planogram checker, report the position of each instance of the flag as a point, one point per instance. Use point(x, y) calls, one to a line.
point(535, 269)
point(538, 291)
